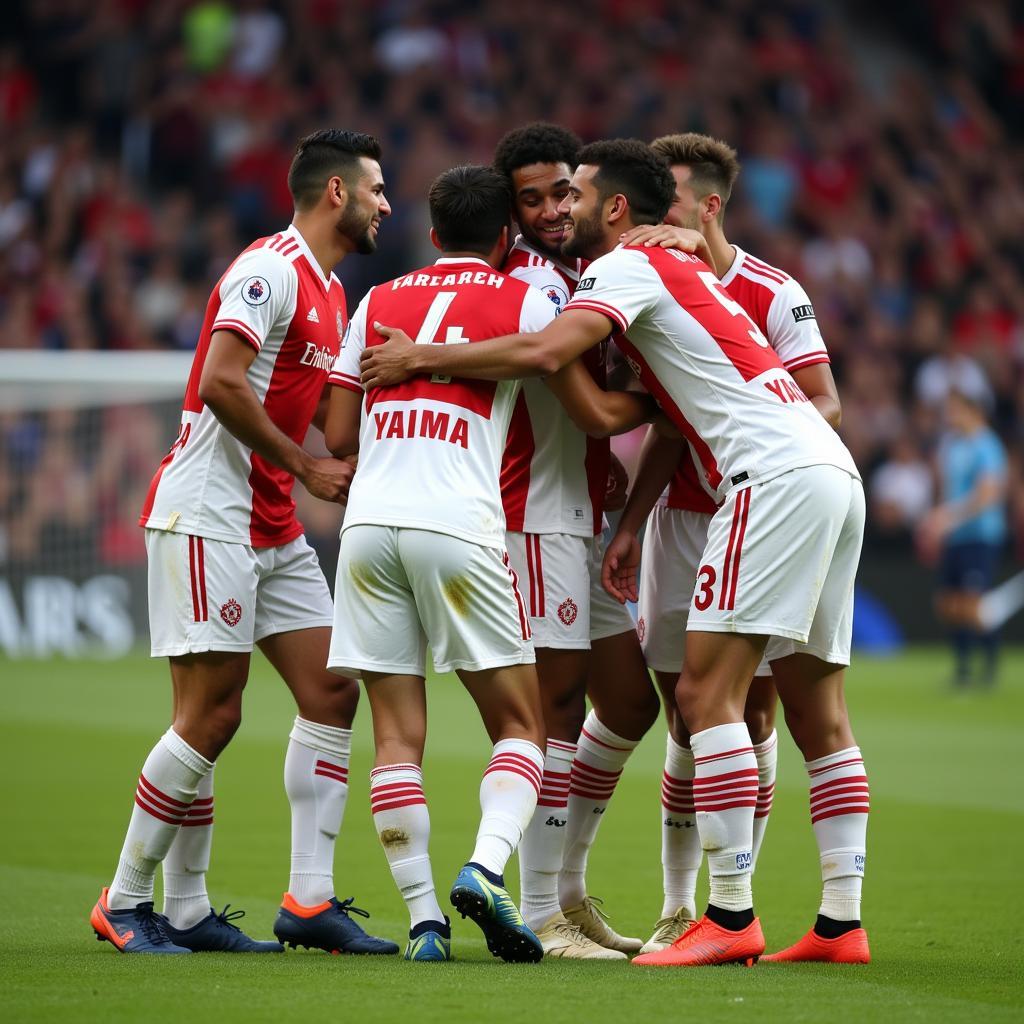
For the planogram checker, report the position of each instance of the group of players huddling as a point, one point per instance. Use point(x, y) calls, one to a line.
point(472, 396)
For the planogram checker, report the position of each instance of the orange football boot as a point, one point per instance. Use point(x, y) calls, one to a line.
point(849, 948)
point(705, 944)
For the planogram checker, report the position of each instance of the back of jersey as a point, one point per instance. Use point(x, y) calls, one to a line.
point(430, 449)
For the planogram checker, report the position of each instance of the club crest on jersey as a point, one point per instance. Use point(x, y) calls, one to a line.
point(231, 612)
point(586, 284)
point(342, 329)
point(803, 313)
point(256, 291)
point(567, 611)
point(641, 629)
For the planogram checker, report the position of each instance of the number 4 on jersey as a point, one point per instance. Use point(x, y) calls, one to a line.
point(432, 323)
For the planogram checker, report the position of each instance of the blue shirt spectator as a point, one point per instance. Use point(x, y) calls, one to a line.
point(966, 460)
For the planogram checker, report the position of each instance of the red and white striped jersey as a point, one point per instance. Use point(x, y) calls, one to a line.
point(785, 316)
point(275, 297)
point(430, 448)
point(709, 366)
point(553, 477)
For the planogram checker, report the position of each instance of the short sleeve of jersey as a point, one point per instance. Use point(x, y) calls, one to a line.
point(345, 371)
point(549, 282)
point(991, 457)
point(621, 285)
point(793, 329)
point(258, 290)
point(537, 311)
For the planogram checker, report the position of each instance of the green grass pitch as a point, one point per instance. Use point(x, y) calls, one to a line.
point(943, 893)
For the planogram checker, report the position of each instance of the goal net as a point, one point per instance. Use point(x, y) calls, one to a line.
point(81, 435)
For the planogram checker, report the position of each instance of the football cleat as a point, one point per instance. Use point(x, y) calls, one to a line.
point(667, 930)
point(137, 930)
point(850, 948)
point(216, 934)
point(706, 944)
point(326, 926)
point(430, 942)
point(565, 940)
point(490, 906)
point(593, 922)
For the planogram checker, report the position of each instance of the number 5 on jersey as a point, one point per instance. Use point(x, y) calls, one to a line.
point(432, 323)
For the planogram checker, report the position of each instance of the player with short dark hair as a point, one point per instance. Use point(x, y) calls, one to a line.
point(229, 569)
point(554, 482)
point(428, 563)
point(705, 170)
point(781, 554)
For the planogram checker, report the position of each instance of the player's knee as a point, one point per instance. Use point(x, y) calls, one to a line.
point(333, 701)
point(689, 701)
point(760, 722)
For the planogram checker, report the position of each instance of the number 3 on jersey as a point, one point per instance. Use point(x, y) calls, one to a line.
point(432, 323)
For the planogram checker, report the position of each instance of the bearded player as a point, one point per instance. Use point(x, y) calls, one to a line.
point(229, 568)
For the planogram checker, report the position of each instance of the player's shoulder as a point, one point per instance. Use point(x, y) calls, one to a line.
point(749, 271)
point(267, 260)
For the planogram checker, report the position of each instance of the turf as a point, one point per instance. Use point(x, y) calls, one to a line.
point(943, 906)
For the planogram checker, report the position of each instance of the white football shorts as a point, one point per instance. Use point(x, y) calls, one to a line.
point(781, 559)
point(398, 589)
point(212, 595)
point(554, 579)
point(607, 616)
point(673, 543)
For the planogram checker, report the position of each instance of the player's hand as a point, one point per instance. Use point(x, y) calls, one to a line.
point(666, 236)
point(618, 483)
point(618, 571)
point(328, 479)
point(390, 363)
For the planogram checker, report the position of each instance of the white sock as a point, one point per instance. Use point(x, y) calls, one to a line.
point(767, 755)
point(540, 852)
point(167, 786)
point(402, 821)
point(839, 815)
point(316, 781)
point(681, 852)
point(600, 757)
point(725, 795)
point(508, 798)
point(186, 902)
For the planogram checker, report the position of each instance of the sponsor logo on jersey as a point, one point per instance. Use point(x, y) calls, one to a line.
point(256, 291)
point(231, 612)
point(744, 860)
point(641, 629)
point(586, 284)
point(321, 358)
point(567, 611)
point(313, 316)
point(803, 313)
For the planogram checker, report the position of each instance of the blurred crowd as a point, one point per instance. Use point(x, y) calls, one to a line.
point(883, 166)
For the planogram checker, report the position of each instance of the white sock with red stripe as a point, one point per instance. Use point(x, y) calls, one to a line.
point(402, 821)
point(600, 757)
point(184, 868)
point(167, 786)
point(725, 795)
point(540, 852)
point(767, 755)
point(316, 781)
point(508, 798)
point(839, 814)
point(681, 852)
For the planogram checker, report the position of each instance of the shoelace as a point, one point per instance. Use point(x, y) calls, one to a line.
point(593, 903)
point(573, 932)
point(345, 907)
point(691, 931)
point(225, 918)
point(665, 932)
point(152, 924)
